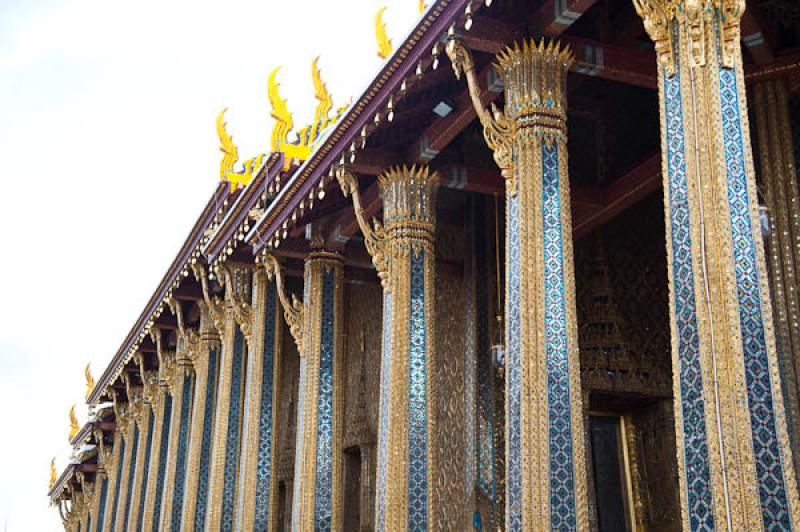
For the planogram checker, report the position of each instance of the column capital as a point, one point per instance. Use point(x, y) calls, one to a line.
point(662, 17)
point(409, 202)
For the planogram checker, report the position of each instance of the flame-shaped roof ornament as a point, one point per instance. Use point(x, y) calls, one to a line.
point(283, 118)
point(73, 423)
point(384, 42)
point(89, 380)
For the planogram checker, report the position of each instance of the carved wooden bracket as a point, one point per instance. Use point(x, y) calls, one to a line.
point(498, 130)
point(238, 306)
point(374, 236)
point(293, 311)
point(188, 339)
point(214, 304)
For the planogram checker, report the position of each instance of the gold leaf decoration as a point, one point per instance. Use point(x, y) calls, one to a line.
point(230, 153)
point(53, 474)
point(73, 423)
point(323, 97)
point(243, 179)
point(89, 380)
point(283, 118)
point(384, 43)
point(422, 6)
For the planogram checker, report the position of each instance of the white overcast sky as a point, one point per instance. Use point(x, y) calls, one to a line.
point(108, 153)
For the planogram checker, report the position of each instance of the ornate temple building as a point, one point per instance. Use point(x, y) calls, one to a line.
point(541, 275)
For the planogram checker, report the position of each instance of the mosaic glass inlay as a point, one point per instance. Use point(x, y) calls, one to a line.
point(417, 400)
point(265, 431)
point(323, 506)
point(298, 463)
point(101, 512)
point(233, 434)
point(180, 458)
point(383, 422)
point(769, 470)
point(118, 482)
point(145, 471)
point(162, 462)
point(131, 477)
point(698, 492)
point(514, 367)
point(562, 481)
point(205, 445)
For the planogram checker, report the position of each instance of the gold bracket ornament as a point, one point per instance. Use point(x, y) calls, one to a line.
point(375, 235)
point(384, 42)
point(293, 311)
point(188, 339)
point(239, 307)
point(658, 16)
point(498, 131)
point(214, 304)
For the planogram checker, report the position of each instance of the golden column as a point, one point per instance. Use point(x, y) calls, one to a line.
point(317, 325)
point(161, 399)
point(206, 368)
point(115, 474)
point(258, 485)
point(182, 391)
point(132, 479)
point(229, 319)
point(404, 254)
point(733, 450)
point(779, 178)
point(105, 462)
point(545, 463)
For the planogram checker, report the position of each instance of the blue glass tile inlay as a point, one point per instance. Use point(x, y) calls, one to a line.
point(514, 367)
point(417, 400)
point(131, 477)
point(146, 469)
point(162, 462)
point(265, 431)
point(180, 457)
point(101, 512)
point(323, 505)
point(697, 469)
point(562, 479)
point(233, 434)
point(769, 468)
point(205, 445)
point(118, 482)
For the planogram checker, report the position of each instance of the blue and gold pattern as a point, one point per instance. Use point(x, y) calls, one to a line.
point(514, 368)
point(417, 400)
point(769, 469)
point(132, 474)
point(118, 483)
point(266, 430)
point(385, 404)
point(162, 462)
point(145, 470)
point(323, 506)
point(205, 446)
point(692, 402)
point(233, 434)
point(180, 459)
point(101, 512)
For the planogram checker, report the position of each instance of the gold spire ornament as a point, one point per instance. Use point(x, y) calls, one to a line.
point(230, 153)
point(384, 42)
point(283, 118)
point(73, 423)
point(89, 380)
point(422, 6)
point(53, 474)
point(323, 97)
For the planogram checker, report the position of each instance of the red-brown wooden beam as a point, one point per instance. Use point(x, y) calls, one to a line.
point(553, 17)
point(756, 36)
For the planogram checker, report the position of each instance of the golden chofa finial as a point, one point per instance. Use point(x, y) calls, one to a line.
point(53, 474)
point(230, 153)
point(73, 423)
point(89, 380)
point(384, 42)
point(422, 6)
point(283, 118)
point(323, 97)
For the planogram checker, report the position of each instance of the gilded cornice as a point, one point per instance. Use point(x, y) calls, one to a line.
point(293, 311)
point(699, 18)
point(374, 235)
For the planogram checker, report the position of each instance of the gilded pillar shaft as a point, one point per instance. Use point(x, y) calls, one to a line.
point(153, 496)
point(318, 453)
point(101, 501)
point(175, 482)
point(734, 460)
point(120, 515)
point(202, 428)
point(258, 500)
point(404, 254)
point(134, 510)
point(545, 456)
point(779, 178)
point(115, 480)
point(228, 426)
